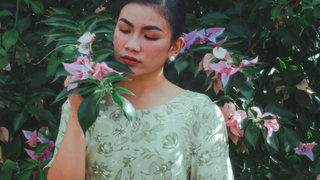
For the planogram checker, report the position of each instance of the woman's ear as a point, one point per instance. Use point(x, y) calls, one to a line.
point(176, 47)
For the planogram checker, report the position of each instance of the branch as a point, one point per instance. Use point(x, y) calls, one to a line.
point(282, 16)
point(313, 53)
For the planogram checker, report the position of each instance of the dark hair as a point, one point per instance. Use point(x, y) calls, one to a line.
point(175, 13)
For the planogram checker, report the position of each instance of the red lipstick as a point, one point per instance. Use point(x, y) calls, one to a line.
point(130, 60)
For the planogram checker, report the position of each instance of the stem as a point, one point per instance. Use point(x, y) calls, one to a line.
point(13, 64)
point(52, 51)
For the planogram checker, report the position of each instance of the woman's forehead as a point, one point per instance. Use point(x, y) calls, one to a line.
point(145, 15)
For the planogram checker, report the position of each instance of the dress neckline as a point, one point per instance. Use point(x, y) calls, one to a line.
point(172, 100)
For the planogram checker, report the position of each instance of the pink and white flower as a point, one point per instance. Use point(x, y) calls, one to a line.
point(272, 125)
point(86, 43)
point(305, 149)
point(233, 120)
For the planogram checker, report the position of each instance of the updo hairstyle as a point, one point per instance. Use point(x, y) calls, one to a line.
point(174, 12)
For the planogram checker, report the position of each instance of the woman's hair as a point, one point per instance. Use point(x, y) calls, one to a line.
point(174, 12)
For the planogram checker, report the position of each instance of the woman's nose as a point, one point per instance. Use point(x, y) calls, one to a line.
point(133, 43)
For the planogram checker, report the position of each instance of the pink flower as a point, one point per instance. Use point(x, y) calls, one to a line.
point(34, 173)
point(272, 125)
point(85, 61)
point(305, 149)
point(233, 120)
point(245, 62)
point(102, 69)
point(86, 42)
point(225, 69)
point(198, 37)
point(77, 72)
point(32, 137)
point(204, 64)
point(221, 53)
point(216, 83)
point(99, 9)
point(46, 155)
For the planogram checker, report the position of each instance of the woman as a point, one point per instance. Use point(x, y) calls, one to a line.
point(179, 134)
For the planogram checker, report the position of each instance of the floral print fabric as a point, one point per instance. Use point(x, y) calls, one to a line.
point(181, 140)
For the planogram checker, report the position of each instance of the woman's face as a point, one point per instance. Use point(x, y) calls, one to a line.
point(142, 38)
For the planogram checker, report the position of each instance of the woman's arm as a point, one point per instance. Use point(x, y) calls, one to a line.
point(69, 162)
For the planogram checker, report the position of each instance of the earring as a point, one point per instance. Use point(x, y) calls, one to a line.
point(172, 58)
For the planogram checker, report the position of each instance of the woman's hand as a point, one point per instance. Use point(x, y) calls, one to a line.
point(75, 99)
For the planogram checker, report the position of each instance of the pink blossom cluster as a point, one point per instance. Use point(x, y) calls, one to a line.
point(33, 139)
point(83, 66)
point(223, 69)
point(198, 37)
point(233, 119)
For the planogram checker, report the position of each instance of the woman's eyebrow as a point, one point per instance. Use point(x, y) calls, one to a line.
point(144, 28)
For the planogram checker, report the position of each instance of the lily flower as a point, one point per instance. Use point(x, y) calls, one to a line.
point(188, 40)
point(272, 125)
point(86, 42)
point(85, 61)
point(102, 69)
point(77, 71)
point(225, 69)
point(305, 149)
point(216, 83)
point(204, 64)
point(233, 120)
point(221, 53)
point(213, 33)
point(32, 137)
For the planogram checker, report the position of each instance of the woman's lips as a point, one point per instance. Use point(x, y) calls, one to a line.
point(130, 61)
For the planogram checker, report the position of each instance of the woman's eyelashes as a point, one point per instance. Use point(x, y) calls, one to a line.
point(147, 37)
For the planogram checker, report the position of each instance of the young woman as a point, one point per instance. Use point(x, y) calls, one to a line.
point(179, 134)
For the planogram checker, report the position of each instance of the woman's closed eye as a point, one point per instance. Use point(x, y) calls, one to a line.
point(125, 31)
point(150, 38)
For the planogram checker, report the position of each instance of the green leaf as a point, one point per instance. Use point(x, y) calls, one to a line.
point(252, 134)
point(19, 119)
point(122, 90)
point(248, 163)
point(291, 136)
point(9, 165)
point(128, 110)
point(6, 176)
point(245, 123)
point(24, 24)
point(119, 66)
point(275, 12)
point(316, 13)
point(302, 98)
point(27, 1)
point(241, 5)
point(33, 110)
point(250, 72)
point(9, 39)
point(41, 148)
point(92, 26)
point(68, 25)
point(284, 121)
point(41, 175)
point(25, 175)
point(37, 6)
point(102, 29)
point(62, 11)
point(181, 64)
point(88, 111)
point(117, 78)
point(4, 61)
point(103, 57)
point(53, 64)
point(63, 94)
point(47, 115)
point(245, 86)
point(40, 94)
point(315, 2)
point(292, 160)
point(5, 13)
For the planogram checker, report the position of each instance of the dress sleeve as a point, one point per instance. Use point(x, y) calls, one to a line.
point(212, 159)
point(66, 107)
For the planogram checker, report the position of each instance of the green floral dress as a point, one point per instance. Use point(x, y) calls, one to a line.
point(183, 139)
